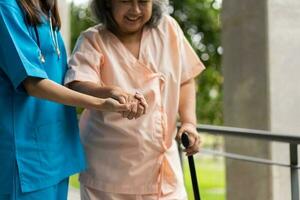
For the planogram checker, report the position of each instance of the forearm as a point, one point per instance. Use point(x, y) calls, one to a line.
point(187, 103)
point(91, 89)
point(47, 89)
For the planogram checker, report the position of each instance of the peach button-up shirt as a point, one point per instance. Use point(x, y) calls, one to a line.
point(137, 156)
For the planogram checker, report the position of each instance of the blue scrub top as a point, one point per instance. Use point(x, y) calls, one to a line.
point(39, 135)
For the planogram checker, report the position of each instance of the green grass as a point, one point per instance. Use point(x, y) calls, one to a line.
point(211, 177)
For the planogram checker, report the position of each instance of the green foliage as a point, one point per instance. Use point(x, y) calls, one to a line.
point(199, 19)
point(81, 19)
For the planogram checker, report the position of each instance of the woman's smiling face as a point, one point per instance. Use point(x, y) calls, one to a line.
point(131, 15)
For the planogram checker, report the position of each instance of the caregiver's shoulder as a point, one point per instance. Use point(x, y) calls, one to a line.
point(9, 3)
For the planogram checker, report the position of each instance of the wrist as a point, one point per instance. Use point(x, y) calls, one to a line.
point(190, 124)
point(111, 90)
point(97, 103)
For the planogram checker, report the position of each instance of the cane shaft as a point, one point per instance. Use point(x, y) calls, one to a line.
point(194, 178)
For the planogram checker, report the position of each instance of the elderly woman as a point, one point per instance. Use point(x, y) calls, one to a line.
point(141, 50)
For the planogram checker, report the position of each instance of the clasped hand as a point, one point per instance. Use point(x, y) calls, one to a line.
point(137, 105)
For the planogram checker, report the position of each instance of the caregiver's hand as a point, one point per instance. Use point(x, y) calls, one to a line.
point(194, 138)
point(118, 94)
point(113, 105)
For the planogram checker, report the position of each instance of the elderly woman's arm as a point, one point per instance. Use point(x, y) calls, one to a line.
point(187, 113)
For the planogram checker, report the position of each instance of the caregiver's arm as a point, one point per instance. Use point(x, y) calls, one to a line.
point(94, 89)
point(47, 89)
point(187, 113)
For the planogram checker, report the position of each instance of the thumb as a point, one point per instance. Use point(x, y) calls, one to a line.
point(179, 134)
point(122, 107)
point(121, 99)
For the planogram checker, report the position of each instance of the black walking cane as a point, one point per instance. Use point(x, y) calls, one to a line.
point(186, 143)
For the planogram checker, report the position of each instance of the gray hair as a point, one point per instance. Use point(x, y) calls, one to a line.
point(102, 12)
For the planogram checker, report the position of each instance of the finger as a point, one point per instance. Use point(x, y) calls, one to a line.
point(142, 101)
point(127, 98)
point(195, 151)
point(121, 107)
point(135, 108)
point(140, 111)
point(191, 151)
point(194, 139)
point(199, 141)
point(122, 99)
point(194, 147)
point(179, 134)
point(126, 113)
point(131, 115)
point(133, 111)
point(140, 97)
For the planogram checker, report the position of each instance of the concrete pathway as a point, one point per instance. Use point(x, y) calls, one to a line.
point(73, 193)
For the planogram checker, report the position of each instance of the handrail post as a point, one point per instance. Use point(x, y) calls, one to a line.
point(180, 154)
point(294, 171)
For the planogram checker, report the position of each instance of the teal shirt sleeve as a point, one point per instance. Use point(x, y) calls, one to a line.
point(19, 52)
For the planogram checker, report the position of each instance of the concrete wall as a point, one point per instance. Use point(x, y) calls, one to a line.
point(284, 85)
point(261, 65)
point(245, 61)
point(65, 18)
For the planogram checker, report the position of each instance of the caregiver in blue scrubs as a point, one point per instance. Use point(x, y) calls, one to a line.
point(39, 140)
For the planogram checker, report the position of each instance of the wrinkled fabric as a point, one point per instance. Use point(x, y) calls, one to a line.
point(57, 191)
point(87, 193)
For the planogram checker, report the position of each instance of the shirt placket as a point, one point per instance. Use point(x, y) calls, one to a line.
point(166, 175)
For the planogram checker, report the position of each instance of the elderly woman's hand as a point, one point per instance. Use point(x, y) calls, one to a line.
point(138, 106)
point(137, 102)
point(194, 138)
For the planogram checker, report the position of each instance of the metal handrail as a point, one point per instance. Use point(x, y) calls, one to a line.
point(292, 139)
point(250, 159)
point(249, 133)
